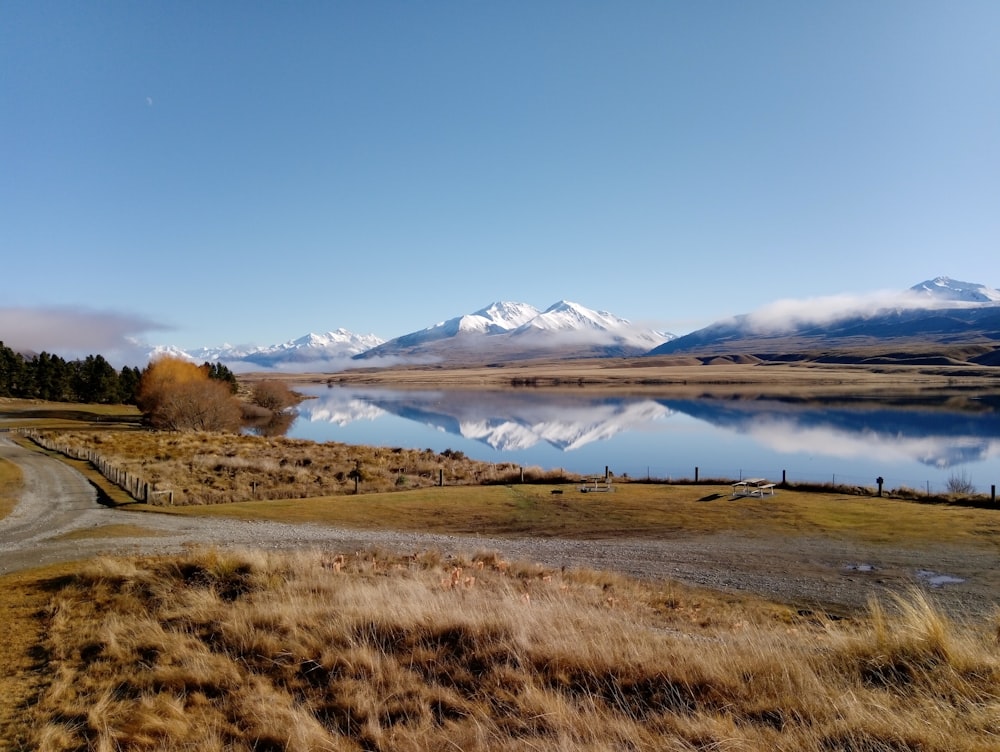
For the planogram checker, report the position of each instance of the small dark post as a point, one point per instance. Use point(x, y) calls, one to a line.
point(605, 473)
point(784, 478)
point(695, 473)
point(880, 480)
point(993, 494)
point(522, 473)
point(440, 476)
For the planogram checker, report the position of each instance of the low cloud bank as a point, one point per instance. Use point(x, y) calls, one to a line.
point(75, 332)
point(789, 315)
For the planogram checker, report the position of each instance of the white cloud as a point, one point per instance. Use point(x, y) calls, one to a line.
point(789, 314)
point(73, 332)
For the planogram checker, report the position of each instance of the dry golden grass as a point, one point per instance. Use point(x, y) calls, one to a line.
point(212, 468)
point(351, 651)
point(23, 596)
point(10, 486)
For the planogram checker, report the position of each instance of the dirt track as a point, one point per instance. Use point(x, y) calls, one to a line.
point(58, 502)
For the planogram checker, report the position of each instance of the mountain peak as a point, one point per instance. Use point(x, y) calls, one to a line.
point(508, 315)
point(946, 288)
point(507, 331)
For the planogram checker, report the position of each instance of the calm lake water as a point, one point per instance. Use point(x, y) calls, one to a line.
point(916, 447)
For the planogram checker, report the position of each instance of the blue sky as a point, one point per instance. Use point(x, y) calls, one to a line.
point(195, 173)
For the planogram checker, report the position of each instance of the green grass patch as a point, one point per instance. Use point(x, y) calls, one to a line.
point(10, 486)
point(633, 510)
point(18, 413)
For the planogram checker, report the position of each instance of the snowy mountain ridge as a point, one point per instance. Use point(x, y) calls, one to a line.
point(330, 348)
point(510, 331)
point(948, 289)
point(937, 311)
point(505, 331)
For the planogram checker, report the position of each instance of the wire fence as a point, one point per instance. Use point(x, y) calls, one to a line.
point(135, 486)
point(937, 486)
point(141, 490)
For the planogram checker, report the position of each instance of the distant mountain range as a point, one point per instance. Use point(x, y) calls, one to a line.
point(503, 331)
point(939, 321)
point(517, 331)
point(310, 351)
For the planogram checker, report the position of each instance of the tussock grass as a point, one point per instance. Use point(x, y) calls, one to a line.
point(212, 468)
point(11, 480)
point(365, 651)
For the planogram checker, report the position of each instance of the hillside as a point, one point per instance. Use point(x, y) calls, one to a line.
point(937, 322)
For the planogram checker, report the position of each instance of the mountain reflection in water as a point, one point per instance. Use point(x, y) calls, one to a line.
point(655, 430)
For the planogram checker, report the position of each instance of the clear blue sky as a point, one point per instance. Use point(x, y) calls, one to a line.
point(249, 172)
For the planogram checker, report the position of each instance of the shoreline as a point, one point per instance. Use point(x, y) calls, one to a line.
point(669, 377)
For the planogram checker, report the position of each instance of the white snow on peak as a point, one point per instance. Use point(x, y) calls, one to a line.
point(497, 318)
point(341, 340)
point(946, 288)
point(310, 348)
point(567, 316)
point(164, 351)
point(508, 315)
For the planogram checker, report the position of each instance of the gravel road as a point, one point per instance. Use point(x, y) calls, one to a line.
point(811, 572)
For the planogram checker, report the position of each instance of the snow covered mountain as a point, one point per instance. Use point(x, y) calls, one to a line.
point(946, 289)
point(923, 322)
point(600, 326)
point(515, 331)
point(498, 318)
point(332, 349)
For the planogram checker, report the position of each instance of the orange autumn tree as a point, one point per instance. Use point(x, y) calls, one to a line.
point(177, 395)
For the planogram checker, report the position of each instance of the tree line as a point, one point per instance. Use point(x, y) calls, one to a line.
point(93, 380)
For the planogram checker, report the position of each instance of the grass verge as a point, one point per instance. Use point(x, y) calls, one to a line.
point(11, 480)
point(633, 510)
point(326, 651)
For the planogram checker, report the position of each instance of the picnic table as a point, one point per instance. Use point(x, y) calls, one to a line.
point(597, 483)
point(753, 487)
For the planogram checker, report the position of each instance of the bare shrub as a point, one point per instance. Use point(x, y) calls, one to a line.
point(197, 406)
point(272, 395)
point(960, 484)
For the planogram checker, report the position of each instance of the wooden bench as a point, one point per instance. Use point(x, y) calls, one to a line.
point(762, 489)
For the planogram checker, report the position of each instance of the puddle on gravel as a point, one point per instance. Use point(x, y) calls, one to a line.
point(860, 567)
point(936, 579)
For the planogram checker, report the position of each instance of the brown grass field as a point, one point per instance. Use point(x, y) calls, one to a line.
point(10, 484)
point(634, 510)
point(335, 651)
point(348, 650)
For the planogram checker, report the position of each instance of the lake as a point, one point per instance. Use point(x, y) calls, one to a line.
point(916, 446)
